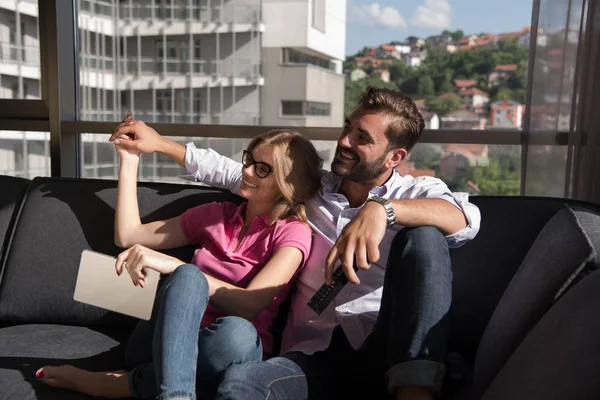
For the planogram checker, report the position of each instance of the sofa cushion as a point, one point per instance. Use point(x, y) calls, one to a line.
point(560, 357)
point(59, 219)
point(25, 348)
point(12, 190)
point(561, 252)
point(483, 268)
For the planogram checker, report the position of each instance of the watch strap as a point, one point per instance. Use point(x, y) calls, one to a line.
point(389, 208)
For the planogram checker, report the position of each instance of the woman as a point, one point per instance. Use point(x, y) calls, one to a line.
point(241, 272)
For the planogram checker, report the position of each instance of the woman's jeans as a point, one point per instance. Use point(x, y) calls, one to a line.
point(170, 357)
point(406, 348)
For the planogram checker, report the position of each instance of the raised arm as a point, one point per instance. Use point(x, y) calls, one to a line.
point(202, 165)
point(129, 229)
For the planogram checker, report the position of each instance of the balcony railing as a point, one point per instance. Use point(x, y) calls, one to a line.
point(224, 118)
point(29, 55)
point(237, 67)
point(96, 7)
point(227, 13)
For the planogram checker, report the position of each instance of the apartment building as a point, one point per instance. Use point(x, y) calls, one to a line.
point(223, 62)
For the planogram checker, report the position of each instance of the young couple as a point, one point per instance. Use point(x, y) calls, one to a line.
point(385, 332)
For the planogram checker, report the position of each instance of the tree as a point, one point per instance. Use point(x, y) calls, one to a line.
point(518, 80)
point(503, 93)
point(409, 85)
point(426, 155)
point(443, 105)
point(509, 45)
point(493, 180)
point(354, 89)
point(425, 87)
point(397, 71)
point(457, 35)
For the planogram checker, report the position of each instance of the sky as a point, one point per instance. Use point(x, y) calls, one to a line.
point(371, 23)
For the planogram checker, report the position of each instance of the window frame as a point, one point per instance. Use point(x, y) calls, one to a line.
point(57, 112)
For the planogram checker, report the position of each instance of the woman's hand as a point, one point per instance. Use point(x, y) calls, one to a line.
point(138, 257)
point(126, 152)
point(144, 139)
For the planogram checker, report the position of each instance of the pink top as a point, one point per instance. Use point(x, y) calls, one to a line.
point(215, 228)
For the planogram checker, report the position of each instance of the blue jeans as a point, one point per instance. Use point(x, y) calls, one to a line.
point(170, 357)
point(406, 348)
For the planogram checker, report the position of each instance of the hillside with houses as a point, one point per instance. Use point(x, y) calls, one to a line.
point(458, 82)
point(467, 81)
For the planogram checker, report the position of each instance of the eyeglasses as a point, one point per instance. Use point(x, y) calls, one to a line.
point(261, 169)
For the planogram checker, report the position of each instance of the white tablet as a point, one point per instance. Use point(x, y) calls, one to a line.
point(99, 285)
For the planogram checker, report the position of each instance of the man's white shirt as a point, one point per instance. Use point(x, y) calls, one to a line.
point(356, 307)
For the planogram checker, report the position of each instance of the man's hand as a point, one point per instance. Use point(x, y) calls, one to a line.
point(145, 139)
point(360, 239)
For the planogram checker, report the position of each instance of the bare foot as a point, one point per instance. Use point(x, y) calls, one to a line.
point(113, 384)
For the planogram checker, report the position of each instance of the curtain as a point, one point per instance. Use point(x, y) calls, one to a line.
point(555, 33)
point(584, 183)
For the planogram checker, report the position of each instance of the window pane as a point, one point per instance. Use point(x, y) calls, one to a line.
point(479, 169)
point(24, 154)
point(473, 76)
point(314, 108)
point(157, 167)
point(171, 46)
point(228, 51)
point(292, 108)
point(19, 51)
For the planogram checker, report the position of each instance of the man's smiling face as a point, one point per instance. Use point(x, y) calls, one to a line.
point(362, 148)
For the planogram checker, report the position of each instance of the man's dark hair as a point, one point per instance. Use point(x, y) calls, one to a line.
point(406, 122)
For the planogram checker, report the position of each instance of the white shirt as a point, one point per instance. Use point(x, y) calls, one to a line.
point(356, 307)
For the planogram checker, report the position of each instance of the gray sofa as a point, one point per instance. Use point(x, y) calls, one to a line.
point(524, 321)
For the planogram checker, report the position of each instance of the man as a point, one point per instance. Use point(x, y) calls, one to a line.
point(386, 330)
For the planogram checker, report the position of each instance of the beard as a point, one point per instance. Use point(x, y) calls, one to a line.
point(361, 171)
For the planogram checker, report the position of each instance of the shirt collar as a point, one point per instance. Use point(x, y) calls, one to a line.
point(238, 215)
point(331, 183)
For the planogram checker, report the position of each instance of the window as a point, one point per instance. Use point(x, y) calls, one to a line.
point(301, 108)
point(184, 96)
point(197, 50)
point(292, 56)
point(163, 100)
point(171, 52)
point(291, 108)
point(314, 108)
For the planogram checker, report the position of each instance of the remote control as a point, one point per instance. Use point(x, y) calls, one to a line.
point(326, 293)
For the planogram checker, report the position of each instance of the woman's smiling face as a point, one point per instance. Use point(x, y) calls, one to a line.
point(253, 187)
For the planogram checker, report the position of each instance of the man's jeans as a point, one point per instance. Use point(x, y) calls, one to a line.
point(170, 357)
point(406, 348)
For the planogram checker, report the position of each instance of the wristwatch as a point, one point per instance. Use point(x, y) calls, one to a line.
point(389, 208)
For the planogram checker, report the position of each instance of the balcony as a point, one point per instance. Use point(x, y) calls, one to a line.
point(236, 67)
point(224, 118)
point(225, 14)
point(228, 13)
point(26, 55)
point(151, 66)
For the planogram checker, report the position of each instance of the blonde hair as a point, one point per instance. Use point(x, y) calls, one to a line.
point(297, 170)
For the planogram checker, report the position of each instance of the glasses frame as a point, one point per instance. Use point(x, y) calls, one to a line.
point(247, 154)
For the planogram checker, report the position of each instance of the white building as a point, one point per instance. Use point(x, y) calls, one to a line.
point(432, 120)
point(506, 114)
point(413, 60)
point(475, 97)
point(234, 62)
